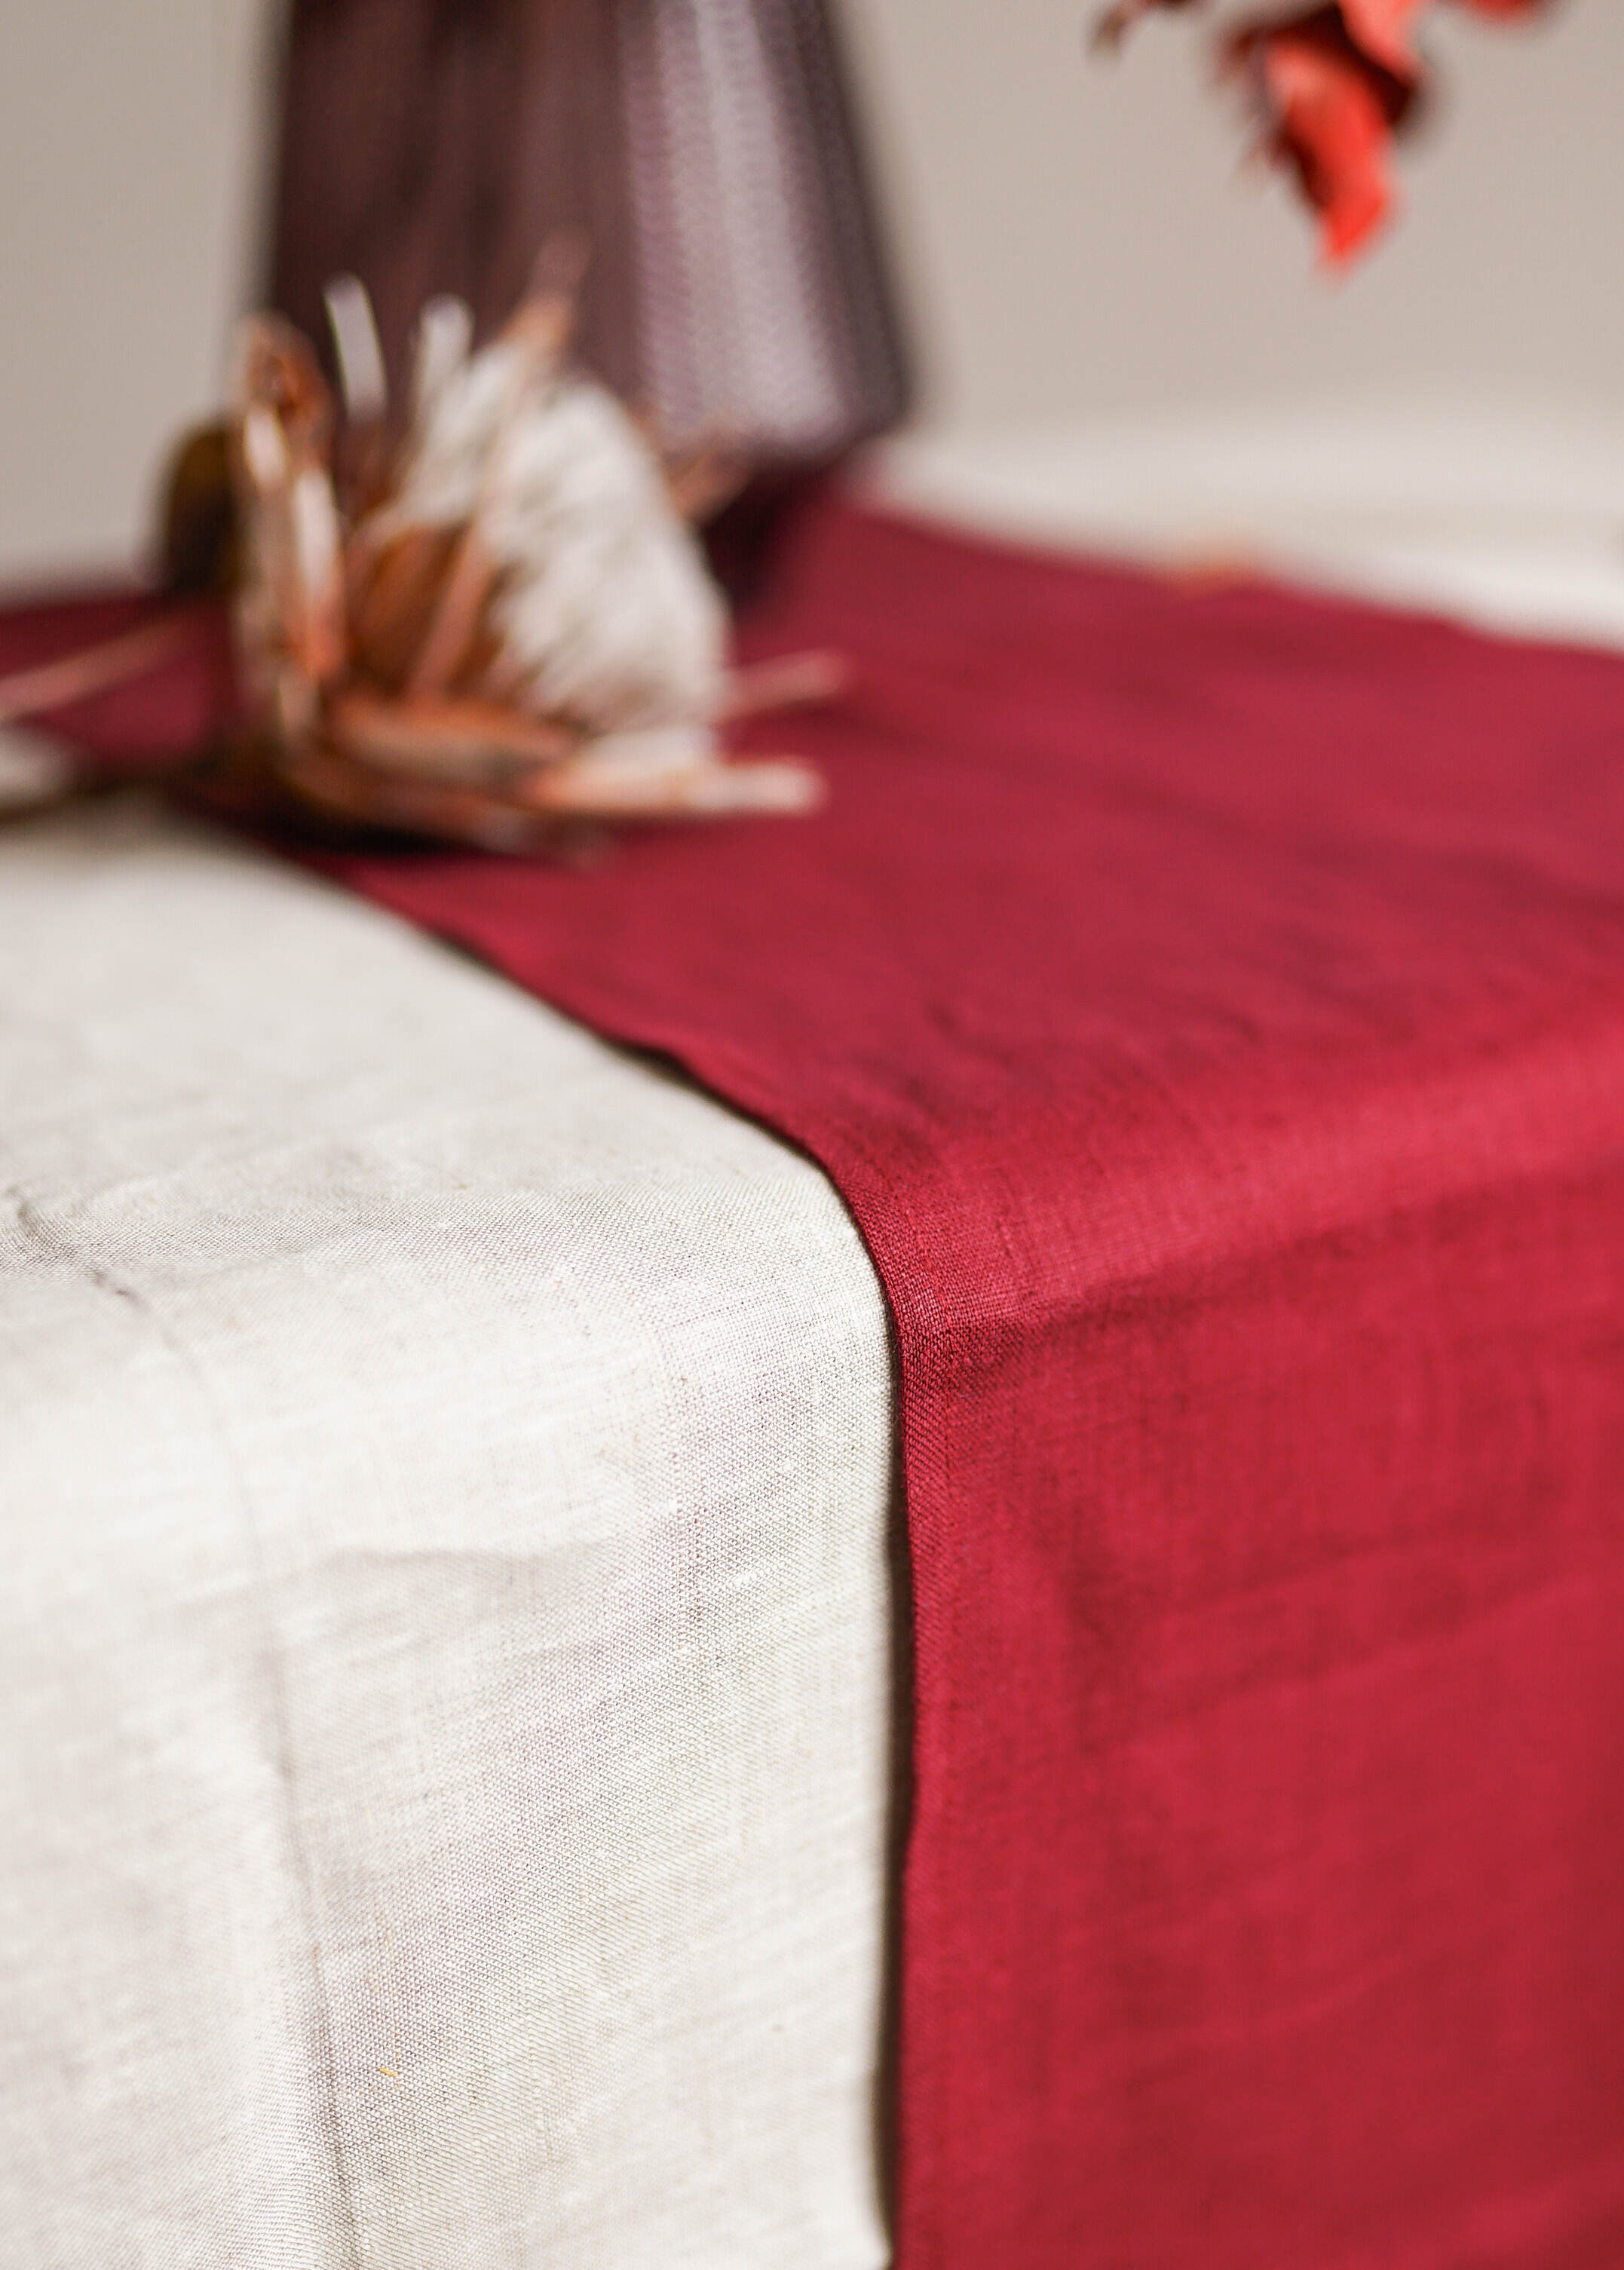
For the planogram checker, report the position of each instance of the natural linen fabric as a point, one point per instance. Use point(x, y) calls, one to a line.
point(1211, 1004)
point(444, 1686)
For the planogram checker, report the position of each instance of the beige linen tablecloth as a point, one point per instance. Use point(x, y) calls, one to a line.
point(445, 1638)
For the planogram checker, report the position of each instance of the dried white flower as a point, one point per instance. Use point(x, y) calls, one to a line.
point(602, 602)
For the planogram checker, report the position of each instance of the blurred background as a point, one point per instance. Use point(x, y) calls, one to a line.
point(1074, 240)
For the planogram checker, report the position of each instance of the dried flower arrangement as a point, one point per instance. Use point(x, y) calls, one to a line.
point(1328, 87)
point(497, 619)
point(488, 622)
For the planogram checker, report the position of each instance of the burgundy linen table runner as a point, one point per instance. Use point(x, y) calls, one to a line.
point(1211, 1005)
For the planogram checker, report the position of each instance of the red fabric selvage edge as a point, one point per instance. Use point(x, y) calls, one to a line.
point(1211, 1005)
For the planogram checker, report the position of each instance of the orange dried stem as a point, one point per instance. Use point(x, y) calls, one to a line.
point(93, 670)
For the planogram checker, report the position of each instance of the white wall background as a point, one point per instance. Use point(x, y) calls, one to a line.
point(1075, 237)
point(129, 153)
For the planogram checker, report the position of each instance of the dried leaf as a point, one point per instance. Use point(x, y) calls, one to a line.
point(1332, 84)
point(1328, 111)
